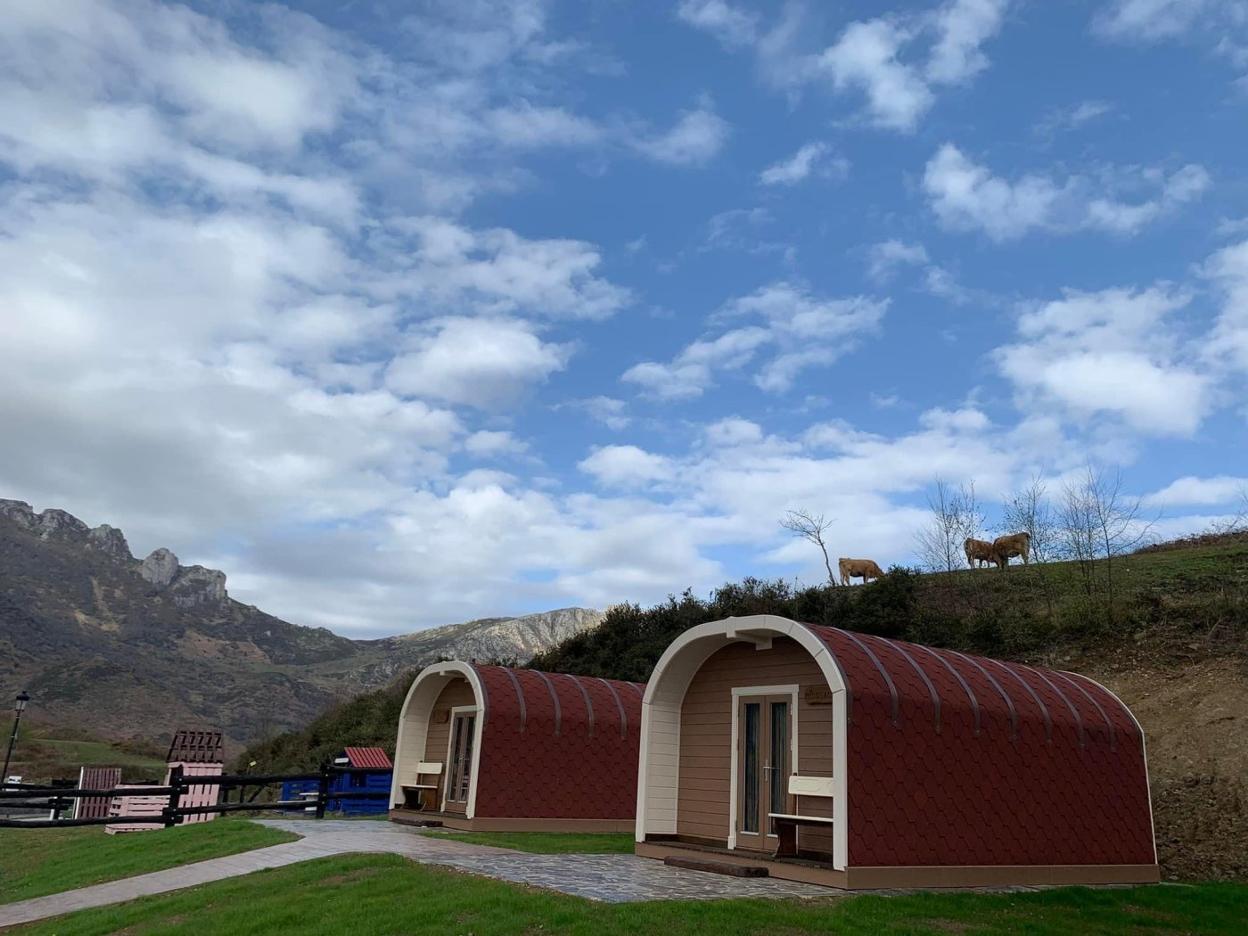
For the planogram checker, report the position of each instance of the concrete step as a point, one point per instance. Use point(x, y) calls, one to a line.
point(715, 867)
point(418, 823)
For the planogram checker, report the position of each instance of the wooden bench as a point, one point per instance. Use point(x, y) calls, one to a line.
point(787, 824)
point(417, 782)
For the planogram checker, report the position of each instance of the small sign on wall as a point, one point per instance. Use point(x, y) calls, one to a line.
point(441, 716)
point(817, 695)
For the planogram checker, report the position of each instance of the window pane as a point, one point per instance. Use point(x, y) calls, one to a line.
point(465, 769)
point(461, 759)
point(749, 820)
point(779, 772)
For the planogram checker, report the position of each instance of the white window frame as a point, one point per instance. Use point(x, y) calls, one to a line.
point(449, 772)
point(738, 692)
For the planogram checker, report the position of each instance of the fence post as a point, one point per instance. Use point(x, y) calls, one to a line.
point(322, 790)
point(175, 796)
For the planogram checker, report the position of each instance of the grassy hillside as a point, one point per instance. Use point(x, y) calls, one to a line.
point(1172, 597)
point(368, 720)
point(46, 753)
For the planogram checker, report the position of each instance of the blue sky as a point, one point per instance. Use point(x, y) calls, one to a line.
point(407, 313)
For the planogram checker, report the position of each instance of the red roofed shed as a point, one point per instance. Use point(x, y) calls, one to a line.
point(367, 758)
point(881, 763)
point(496, 748)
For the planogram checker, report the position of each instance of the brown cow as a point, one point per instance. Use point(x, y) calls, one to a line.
point(865, 569)
point(1004, 548)
point(978, 552)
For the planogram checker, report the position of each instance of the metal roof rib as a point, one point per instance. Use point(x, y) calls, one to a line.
point(1070, 705)
point(524, 713)
point(1109, 723)
point(1009, 702)
point(589, 706)
point(619, 704)
point(892, 687)
point(1035, 697)
point(1113, 734)
point(554, 697)
point(931, 689)
point(961, 682)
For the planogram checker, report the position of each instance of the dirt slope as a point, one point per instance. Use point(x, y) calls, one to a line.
point(1195, 720)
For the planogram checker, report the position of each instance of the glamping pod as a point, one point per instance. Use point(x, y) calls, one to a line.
point(497, 749)
point(861, 762)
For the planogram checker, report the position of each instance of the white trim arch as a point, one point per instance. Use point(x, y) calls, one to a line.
point(409, 746)
point(658, 769)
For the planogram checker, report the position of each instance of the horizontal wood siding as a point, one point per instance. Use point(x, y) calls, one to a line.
point(706, 736)
point(457, 692)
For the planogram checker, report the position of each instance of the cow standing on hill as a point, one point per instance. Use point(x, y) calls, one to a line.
point(1004, 548)
point(865, 569)
point(978, 552)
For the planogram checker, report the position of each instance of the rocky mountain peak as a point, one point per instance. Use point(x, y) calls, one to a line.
point(188, 586)
point(110, 540)
point(55, 524)
point(160, 567)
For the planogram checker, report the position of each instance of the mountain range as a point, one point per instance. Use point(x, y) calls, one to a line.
point(126, 648)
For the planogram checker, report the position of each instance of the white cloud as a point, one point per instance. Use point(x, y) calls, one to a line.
point(1149, 20)
point(527, 125)
point(965, 419)
point(1064, 119)
point(488, 443)
point(694, 140)
point(500, 272)
point(1190, 490)
point(1112, 353)
point(609, 411)
point(1228, 269)
point(963, 26)
point(968, 196)
point(897, 61)
point(803, 330)
point(886, 257)
point(732, 25)
point(809, 159)
point(626, 466)
point(477, 362)
point(865, 57)
point(692, 371)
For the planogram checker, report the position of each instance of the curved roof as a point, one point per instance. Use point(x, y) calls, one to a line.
point(534, 702)
point(1018, 764)
point(954, 759)
point(556, 745)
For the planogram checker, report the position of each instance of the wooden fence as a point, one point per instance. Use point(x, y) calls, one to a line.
point(56, 799)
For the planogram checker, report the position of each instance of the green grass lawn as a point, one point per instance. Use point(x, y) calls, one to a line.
point(550, 843)
point(34, 862)
point(382, 894)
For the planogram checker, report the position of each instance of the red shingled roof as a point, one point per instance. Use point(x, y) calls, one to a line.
point(558, 746)
point(368, 758)
point(962, 760)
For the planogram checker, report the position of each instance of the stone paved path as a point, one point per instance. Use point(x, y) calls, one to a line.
point(613, 878)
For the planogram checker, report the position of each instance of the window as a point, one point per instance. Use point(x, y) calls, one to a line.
point(749, 818)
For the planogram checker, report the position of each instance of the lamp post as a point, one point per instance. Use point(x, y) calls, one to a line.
point(20, 706)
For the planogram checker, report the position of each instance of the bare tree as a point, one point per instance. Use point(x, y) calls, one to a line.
point(1029, 510)
point(810, 527)
point(956, 516)
point(1238, 521)
point(1100, 522)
